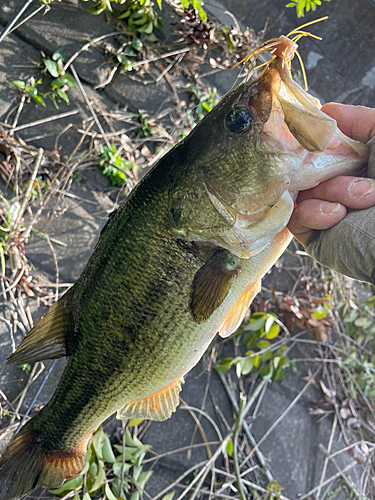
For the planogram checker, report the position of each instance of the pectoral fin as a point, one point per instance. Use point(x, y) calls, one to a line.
point(237, 313)
point(159, 406)
point(211, 284)
point(313, 130)
point(47, 339)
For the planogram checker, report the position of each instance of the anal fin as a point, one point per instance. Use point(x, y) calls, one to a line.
point(237, 313)
point(46, 340)
point(158, 406)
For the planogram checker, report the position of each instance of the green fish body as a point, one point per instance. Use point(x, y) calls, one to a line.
point(178, 262)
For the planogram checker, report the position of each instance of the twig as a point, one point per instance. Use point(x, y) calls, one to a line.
point(109, 79)
point(36, 395)
point(14, 20)
point(168, 54)
point(246, 427)
point(57, 275)
point(327, 452)
point(89, 105)
point(27, 18)
point(275, 424)
point(179, 450)
point(327, 481)
point(124, 424)
point(350, 484)
point(19, 110)
point(22, 395)
point(85, 47)
point(29, 188)
point(10, 329)
point(235, 445)
point(45, 120)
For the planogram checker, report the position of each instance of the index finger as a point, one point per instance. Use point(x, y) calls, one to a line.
point(357, 122)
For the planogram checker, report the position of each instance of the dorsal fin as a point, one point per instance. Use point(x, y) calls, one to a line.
point(46, 340)
point(237, 313)
point(158, 406)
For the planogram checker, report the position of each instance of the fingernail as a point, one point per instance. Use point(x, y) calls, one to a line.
point(328, 208)
point(359, 188)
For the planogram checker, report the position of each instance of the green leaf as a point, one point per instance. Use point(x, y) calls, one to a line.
point(230, 448)
point(256, 360)
point(63, 96)
point(19, 84)
point(52, 67)
point(144, 477)
point(273, 331)
point(362, 322)
point(263, 344)
point(141, 21)
point(247, 365)
point(147, 29)
point(39, 99)
point(59, 54)
point(86, 496)
point(97, 9)
point(66, 80)
point(93, 470)
point(108, 454)
point(222, 368)
point(168, 496)
point(159, 5)
point(279, 374)
point(69, 485)
point(124, 15)
point(266, 371)
point(97, 442)
point(266, 355)
point(137, 44)
point(135, 421)
point(109, 493)
point(202, 14)
point(100, 478)
point(255, 325)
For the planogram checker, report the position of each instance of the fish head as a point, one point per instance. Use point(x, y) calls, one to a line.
point(248, 158)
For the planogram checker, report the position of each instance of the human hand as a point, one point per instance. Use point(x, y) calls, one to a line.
point(326, 205)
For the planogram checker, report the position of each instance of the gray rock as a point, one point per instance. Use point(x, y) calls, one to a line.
point(18, 61)
point(67, 25)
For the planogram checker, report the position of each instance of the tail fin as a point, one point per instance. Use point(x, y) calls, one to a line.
point(25, 465)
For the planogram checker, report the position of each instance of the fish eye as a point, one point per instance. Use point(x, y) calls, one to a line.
point(239, 119)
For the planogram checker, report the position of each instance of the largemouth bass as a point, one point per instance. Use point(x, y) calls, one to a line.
point(178, 262)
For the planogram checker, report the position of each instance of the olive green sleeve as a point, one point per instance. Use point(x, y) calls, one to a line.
point(348, 247)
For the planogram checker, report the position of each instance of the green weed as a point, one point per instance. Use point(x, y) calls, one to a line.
point(113, 165)
point(301, 5)
point(256, 336)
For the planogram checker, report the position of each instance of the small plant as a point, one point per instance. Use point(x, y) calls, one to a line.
point(146, 124)
point(301, 5)
point(62, 81)
point(30, 89)
point(257, 334)
point(130, 48)
point(59, 86)
point(108, 472)
point(141, 17)
point(113, 165)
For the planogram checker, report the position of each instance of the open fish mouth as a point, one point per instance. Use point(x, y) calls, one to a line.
point(308, 139)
